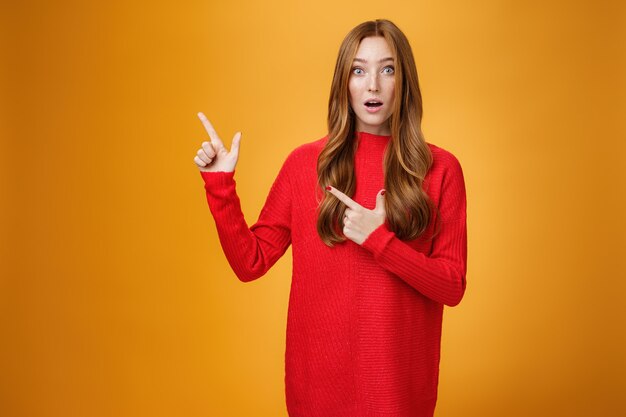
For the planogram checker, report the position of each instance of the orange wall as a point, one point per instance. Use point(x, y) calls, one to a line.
point(115, 297)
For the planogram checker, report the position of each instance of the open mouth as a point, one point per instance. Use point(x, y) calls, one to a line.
point(373, 103)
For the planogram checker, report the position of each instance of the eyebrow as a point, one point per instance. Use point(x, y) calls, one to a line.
point(365, 60)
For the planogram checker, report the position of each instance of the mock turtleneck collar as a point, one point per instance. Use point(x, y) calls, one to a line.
point(371, 136)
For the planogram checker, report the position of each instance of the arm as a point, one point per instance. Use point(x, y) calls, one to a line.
point(252, 251)
point(439, 276)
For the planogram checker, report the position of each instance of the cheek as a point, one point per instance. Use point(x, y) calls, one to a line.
point(391, 94)
point(391, 97)
point(392, 89)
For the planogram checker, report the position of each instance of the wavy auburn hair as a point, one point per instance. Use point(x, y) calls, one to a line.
point(407, 158)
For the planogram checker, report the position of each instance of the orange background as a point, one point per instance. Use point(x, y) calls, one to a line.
point(115, 297)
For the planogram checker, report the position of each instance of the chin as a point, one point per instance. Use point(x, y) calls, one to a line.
point(376, 123)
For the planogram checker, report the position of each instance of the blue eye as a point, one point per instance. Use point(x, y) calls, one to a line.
point(356, 69)
point(390, 68)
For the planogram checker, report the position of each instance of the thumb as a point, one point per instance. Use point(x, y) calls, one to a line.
point(380, 201)
point(234, 147)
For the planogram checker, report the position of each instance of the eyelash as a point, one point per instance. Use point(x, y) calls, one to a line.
point(389, 66)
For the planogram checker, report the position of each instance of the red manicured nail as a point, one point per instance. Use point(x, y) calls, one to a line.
point(382, 192)
point(328, 188)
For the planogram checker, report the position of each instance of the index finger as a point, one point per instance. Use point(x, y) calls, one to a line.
point(209, 128)
point(344, 198)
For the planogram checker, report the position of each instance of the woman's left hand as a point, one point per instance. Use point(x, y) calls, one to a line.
point(359, 222)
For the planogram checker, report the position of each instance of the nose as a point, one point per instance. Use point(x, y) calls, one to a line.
point(373, 84)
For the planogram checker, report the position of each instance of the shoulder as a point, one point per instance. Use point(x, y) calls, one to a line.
point(301, 162)
point(445, 167)
point(445, 184)
point(443, 159)
point(308, 148)
point(306, 152)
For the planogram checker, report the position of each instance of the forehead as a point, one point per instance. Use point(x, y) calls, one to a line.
point(373, 48)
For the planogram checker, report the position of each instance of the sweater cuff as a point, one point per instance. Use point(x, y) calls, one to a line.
point(378, 240)
point(217, 178)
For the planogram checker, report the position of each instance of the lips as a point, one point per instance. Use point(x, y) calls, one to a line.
point(373, 103)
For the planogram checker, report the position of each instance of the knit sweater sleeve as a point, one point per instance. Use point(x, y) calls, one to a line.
point(439, 275)
point(251, 251)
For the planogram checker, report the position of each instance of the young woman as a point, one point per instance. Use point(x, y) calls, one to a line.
point(376, 217)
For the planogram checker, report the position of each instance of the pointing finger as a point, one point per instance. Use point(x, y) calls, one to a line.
point(343, 198)
point(209, 129)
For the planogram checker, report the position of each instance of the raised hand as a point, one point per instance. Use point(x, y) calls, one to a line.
point(359, 222)
point(213, 156)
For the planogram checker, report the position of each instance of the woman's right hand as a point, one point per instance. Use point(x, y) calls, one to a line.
point(213, 156)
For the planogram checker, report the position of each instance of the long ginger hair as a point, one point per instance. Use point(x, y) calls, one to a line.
point(407, 158)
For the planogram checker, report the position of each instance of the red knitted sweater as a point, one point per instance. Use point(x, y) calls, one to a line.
point(364, 321)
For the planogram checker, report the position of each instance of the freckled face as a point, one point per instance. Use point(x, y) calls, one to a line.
point(372, 86)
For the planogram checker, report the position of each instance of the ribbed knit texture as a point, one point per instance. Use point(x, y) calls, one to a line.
point(364, 321)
